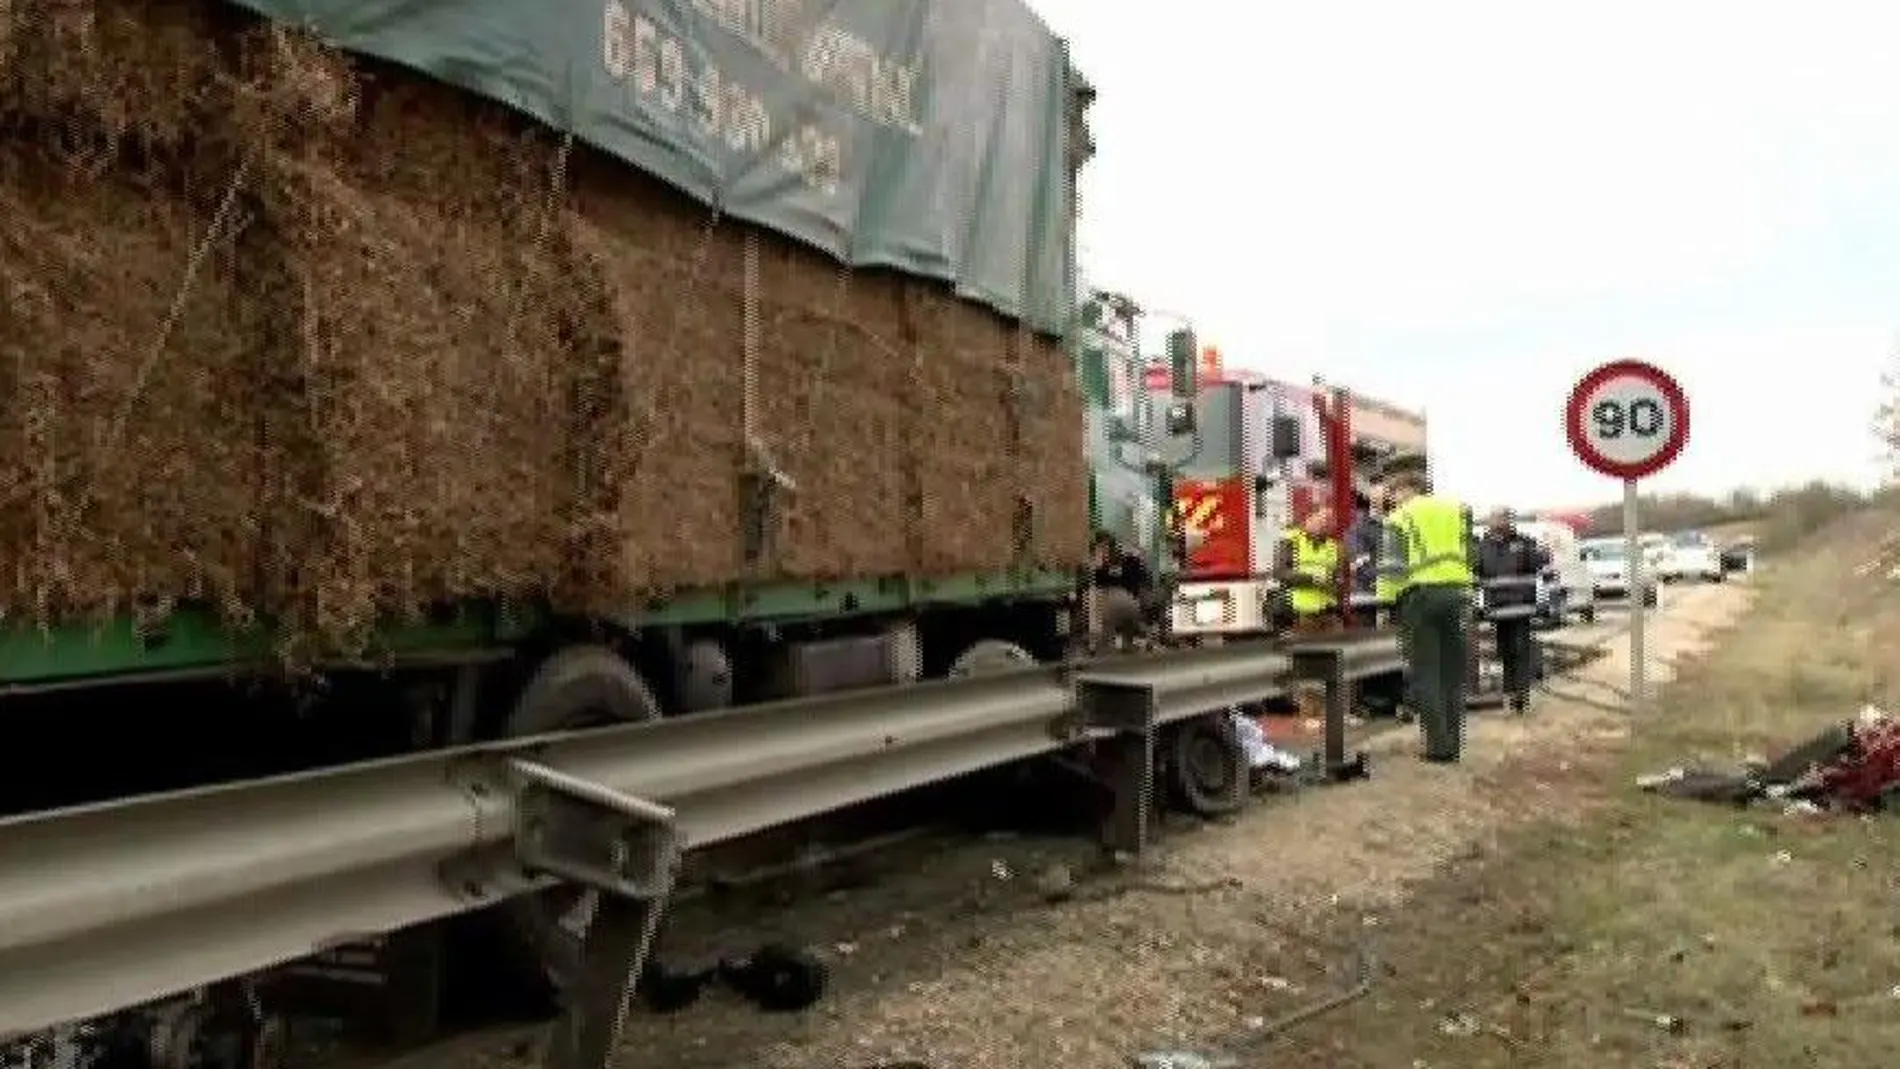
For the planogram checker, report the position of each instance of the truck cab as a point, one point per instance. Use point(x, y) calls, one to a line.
point(1233, 493)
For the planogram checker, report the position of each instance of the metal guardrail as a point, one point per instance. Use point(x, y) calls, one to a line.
point(112, 905)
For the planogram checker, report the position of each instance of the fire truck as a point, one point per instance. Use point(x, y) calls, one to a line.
point(1265, 454)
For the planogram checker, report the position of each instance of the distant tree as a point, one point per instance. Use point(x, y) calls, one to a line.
point(1743, 503)
point(1794, 509)
point(1792, 514)
point(1886, 426)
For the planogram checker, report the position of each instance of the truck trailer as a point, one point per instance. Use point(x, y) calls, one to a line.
point(375, 386)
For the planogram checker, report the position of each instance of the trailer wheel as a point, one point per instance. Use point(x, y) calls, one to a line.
point(990, 655)
point(579, 687)
point(1207, 766)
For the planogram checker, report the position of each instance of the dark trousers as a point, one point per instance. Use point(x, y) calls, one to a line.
point(1518, 652)
point(1434, 622)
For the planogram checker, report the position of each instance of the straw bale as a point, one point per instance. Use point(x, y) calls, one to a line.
point(285, 89)
point(828, 396)
point(8, 38)
point(123, 70)
point(1053, 453)
point(833, 383)
point(424, 438)
point(994, 383)
point(655, 285)
point(854, 397)
point(128, 468)
point(967, 476)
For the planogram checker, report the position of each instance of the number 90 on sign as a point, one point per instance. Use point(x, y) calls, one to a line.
point(1627, 419)
point(1639, 418)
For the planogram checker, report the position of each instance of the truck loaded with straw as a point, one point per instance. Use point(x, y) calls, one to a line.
point(381, 375)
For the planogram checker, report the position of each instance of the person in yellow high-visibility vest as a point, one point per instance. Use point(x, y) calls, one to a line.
point(1308, 570)
point(1428, 559)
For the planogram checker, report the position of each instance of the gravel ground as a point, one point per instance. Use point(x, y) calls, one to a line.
point(1022, 952)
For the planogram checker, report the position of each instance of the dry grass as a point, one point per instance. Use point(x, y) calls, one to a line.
point(1763, 939)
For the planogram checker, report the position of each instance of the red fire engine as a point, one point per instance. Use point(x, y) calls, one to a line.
point(1265, 455)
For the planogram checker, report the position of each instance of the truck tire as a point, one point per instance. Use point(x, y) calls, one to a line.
point(988, 655)
point(1207, 766)
point(578, 687)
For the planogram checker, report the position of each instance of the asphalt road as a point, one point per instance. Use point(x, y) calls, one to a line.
point(1569, 648)
point(1613, 617)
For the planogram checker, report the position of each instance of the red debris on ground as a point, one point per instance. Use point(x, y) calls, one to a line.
point(1862, 778)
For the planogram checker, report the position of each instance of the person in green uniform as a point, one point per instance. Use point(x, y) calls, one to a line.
point(1427, 559)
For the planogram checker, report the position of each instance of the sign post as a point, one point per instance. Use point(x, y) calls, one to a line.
point(1629, 420)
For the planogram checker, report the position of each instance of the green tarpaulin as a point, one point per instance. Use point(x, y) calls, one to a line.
point(923, 135)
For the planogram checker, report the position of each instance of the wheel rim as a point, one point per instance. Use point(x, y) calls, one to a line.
point(1209, 767)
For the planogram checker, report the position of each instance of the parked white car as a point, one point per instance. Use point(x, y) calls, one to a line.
point(1657, 557)
point(1608, 562)
point(1566, 588)
point(1693, 556)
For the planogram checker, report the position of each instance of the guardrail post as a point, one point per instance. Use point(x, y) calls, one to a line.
point(1326, 663)
point(1125, 756)
point(588, 1032)
point(624, 847)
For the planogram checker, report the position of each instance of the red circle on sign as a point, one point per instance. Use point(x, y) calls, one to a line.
point(1587, 451)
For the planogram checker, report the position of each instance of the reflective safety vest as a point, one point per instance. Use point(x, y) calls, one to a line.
point(1316, 558)
point(1433, 532)
point(1385, 589)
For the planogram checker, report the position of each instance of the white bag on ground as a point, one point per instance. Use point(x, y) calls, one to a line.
point(1261, 753)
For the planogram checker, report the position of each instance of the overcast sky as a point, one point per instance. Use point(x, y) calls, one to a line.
point(1460, 206)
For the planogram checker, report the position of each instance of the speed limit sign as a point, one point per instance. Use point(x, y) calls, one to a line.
point(1627, 419)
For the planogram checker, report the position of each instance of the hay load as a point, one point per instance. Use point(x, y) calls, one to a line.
point(420, 383)
point(129, 476)
point(124, 73)
point(437, 352)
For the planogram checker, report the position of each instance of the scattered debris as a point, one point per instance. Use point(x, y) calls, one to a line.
point(1056, 883)
point(1664, 1022)
point(1179, 1059)
point(1261, 754)
point(1850, 767)
point(1460, 1025)
point(775, 978)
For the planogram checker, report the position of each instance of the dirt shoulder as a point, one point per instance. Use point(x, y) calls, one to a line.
point(1624, 929)
point(963, 962)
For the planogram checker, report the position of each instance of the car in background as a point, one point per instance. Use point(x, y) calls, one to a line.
point(1608, 561)
point(1693, 556)
point(1656, 556)
point(1565, 588)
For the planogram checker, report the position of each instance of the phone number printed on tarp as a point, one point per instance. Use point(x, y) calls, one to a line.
point(714, 105)
point(880, 88)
